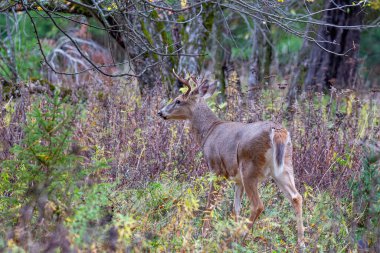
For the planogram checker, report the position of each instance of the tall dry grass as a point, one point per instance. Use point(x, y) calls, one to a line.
point(329, 132)
point(157, 180)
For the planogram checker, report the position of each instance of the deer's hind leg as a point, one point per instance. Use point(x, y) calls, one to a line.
point(285, 182)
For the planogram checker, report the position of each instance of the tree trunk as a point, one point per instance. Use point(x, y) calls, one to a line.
point(253, 76)
point(194, 32)
point(268, 54)
point(195, 40)
point(11, 48)
point(326, 69)
point(135, 49)
point(216, 59)
point(225, 71)
point(298, 73)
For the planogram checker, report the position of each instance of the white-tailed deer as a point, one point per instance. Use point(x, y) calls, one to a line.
point(245, 153)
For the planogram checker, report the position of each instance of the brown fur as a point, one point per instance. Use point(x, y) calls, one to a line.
point(240, 151)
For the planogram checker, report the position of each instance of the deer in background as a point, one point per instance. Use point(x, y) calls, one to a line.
point(245, 153)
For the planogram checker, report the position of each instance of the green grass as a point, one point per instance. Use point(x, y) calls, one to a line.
point(167, 216)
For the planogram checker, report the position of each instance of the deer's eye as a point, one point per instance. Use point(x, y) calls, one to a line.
point(177, 102)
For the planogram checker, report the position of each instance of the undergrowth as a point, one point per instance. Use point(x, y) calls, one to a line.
point(117, 178)
point(166, 216)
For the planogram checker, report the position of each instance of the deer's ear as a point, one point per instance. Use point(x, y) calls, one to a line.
point(205, 90)
point(208, 89)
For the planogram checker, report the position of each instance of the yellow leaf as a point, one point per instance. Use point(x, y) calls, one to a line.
point(43, 157)
point(349, 103)
point(183, 3)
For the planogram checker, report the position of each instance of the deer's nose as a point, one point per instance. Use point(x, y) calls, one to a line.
point(159, 113)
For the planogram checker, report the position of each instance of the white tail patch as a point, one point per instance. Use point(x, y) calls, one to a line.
point(278, 154)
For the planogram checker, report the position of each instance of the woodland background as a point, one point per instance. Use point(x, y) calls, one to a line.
point(87, 166)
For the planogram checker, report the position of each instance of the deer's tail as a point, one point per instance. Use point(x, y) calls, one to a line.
point(279, 138)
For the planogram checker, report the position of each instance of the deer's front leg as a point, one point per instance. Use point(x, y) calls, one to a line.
point(211, 199)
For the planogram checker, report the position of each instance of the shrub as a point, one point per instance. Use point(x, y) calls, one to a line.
point(38, 183)
point(366, 204)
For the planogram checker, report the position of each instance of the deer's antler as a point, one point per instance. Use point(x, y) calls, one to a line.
point(184, 82)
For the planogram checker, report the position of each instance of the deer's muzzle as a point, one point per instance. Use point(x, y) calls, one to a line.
point(161, 115)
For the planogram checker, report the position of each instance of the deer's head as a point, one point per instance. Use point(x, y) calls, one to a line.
point(181, 107)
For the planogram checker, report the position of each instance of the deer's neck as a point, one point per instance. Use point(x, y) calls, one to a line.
point(203, 121)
